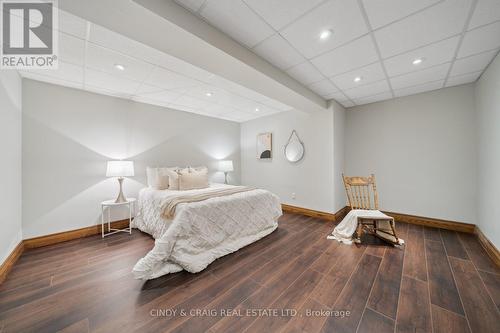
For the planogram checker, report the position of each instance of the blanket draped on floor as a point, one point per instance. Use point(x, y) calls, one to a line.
point(344, 231)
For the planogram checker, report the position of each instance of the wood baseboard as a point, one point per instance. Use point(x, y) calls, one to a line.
point(59, 237)
point(433, 223)
point(412, 219)
point(334, 217)
point(10, 261)
point(488, 246)
point(65, 236)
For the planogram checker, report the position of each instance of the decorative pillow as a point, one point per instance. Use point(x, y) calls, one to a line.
point(159, 178)
point(198, 169)
point(173, 178)
point(194, 178)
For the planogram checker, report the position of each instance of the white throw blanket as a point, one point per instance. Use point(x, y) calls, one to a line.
point(202, 231)
point(344, 230)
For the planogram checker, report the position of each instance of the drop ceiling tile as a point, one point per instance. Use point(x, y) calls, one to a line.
point(163, 78)
point(192, 5)
point(481, 39)
point(368, 74)
point(166, 96)
point(238, 116)
point(217, 109)
point(462, 79)
point(339, 96)
point(367, 90)
point(432, 55)
point(382, 12)
point(235, 19)
point(234, 101)
point(420, 77)
point(374, 98)
point(419, 88)
point(343, 17)
point(356, 54)
point(473, 63)
point(487, 11)
point(431, 25)
point(103, 59)
point(262, 110)
point(243, 104)
point(151, 101)
point(148, 89)
point(181, 67)
point(305, 73)
point(278, 52)
point(72, 25)
point(323, 88)
point(114, 41)
point(71, 49)
point(182, 108)
point(64, 72)
point(277, 13)
point(191, 102)
point(236, 89)
point(110, 82)
point(108, 92)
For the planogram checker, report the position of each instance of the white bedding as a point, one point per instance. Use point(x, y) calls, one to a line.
point(201, 231)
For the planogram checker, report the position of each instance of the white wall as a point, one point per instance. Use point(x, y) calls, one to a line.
point(488, 130)
point(10, 164)
point(339, 124)
point(422, 150)
point(312, 179)
point(69, 134)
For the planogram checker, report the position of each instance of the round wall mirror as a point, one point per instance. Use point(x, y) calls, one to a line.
point(294, 148)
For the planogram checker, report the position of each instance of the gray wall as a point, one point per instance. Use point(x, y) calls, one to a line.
point(68, 135)
point(10, 165)
point(488, 112)
point(339, 124)
point(312, 179)
point(422, 149)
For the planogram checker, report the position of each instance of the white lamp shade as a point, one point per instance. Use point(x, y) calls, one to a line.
point(226, 166)
point(120, 169)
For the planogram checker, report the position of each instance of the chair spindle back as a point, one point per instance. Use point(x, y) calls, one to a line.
point(361, 192)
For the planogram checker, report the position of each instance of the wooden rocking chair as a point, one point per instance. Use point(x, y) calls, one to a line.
point(362, 194)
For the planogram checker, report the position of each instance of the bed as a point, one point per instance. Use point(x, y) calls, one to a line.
point(204, 230)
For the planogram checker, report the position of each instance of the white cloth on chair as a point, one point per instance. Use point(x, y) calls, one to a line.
point(344, 230)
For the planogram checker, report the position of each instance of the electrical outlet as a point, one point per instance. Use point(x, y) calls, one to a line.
point(293, 195)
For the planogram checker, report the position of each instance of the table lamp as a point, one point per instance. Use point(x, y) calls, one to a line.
point(226, 166)
point(120, 169)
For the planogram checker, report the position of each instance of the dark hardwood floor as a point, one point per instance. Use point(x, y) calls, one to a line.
point(441, 281)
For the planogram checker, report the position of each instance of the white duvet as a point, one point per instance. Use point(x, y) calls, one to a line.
point(201, 231)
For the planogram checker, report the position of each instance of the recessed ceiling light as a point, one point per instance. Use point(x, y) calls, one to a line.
point(357, 78)
point(325, 34)
point(120, 67)
point(208, 94)
point(418, 61)
point(257, 109)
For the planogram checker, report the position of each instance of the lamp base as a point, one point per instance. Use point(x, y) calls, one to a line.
point(121, 198)
point(225, 178)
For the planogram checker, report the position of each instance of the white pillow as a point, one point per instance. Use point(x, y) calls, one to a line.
point(159, 178)
point(194, 178)
point(173, 178)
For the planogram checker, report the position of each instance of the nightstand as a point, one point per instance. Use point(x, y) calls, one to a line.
point(108, 205)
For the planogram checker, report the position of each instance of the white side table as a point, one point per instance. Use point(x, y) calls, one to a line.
point(110, 204)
